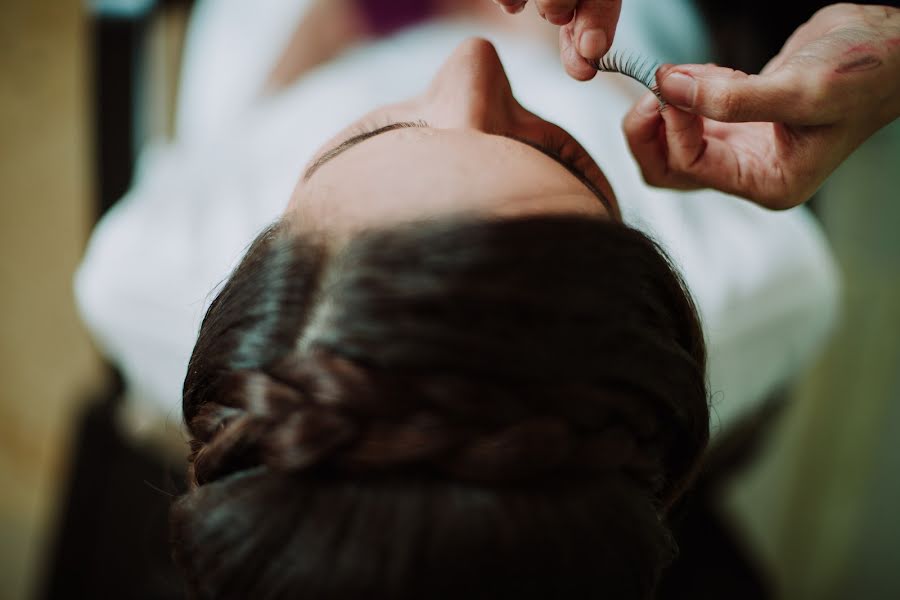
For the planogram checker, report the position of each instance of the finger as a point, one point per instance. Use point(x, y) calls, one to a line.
point(511, 6)
point(685, 143)
point(576, 66)
point(709, 162)
point(643, 127)
point(558, 12)
point(595, 27)
point(733, 96)
point(734, 158)
point(678, 150)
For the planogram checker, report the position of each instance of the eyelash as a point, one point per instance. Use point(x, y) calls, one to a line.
point(553, 145)
point(550, 144)
point(557, 147)
point(634, 65)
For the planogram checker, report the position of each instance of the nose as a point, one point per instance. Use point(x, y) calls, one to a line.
point(471, 90)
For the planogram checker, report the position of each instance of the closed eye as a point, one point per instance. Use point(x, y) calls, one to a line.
point(554, 152)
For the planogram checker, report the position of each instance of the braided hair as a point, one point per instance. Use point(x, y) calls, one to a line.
point(460, 408)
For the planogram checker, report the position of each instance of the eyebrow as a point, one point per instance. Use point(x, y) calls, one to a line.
point(353, 141)
point(359, 138)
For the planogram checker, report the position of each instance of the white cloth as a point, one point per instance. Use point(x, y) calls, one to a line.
point(764, 282)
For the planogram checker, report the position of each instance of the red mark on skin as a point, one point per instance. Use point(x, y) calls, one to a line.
point(867, 62)
point(864, 63)
point(861, 48)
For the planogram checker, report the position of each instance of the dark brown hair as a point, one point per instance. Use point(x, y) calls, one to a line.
point(453, 409)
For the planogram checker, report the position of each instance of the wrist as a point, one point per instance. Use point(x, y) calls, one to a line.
point(892, 62)
point(892, 108)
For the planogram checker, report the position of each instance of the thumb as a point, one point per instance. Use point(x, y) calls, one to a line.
point(724, 94)
point(595, 27)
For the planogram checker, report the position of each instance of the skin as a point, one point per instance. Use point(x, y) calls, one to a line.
point(460, 163)
point(775, 137)
point(587, 29)
point(772, 138)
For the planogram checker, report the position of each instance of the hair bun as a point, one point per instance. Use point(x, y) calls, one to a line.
point(324, 411)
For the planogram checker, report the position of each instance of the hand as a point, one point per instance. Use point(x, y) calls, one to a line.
point(587, 29)
point(774, 137)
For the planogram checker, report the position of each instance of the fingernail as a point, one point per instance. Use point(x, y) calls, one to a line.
point(592, 43)
point(680, 89)
point(560, 18)
point(648, 104)
point(663, 70)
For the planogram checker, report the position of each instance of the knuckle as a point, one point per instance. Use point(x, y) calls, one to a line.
point(557, 12)
point(651, 176)
point(849, 8)
point(816, 98)
point(777, 202)
point(652, 179)
point(721, 104)
point(657, 176)
point(835, 10)
point(719, 100)
point(688, 160)
point(774, 201)
point(791, 189)
point(821, 98)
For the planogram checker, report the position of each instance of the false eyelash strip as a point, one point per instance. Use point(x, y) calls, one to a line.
point(634, 65)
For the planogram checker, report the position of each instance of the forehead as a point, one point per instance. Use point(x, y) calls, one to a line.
point(413, 174)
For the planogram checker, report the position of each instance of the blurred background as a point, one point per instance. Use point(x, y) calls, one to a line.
point(82, 85)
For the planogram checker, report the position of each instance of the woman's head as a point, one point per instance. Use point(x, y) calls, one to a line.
point(485, 407)
point(465, 145)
